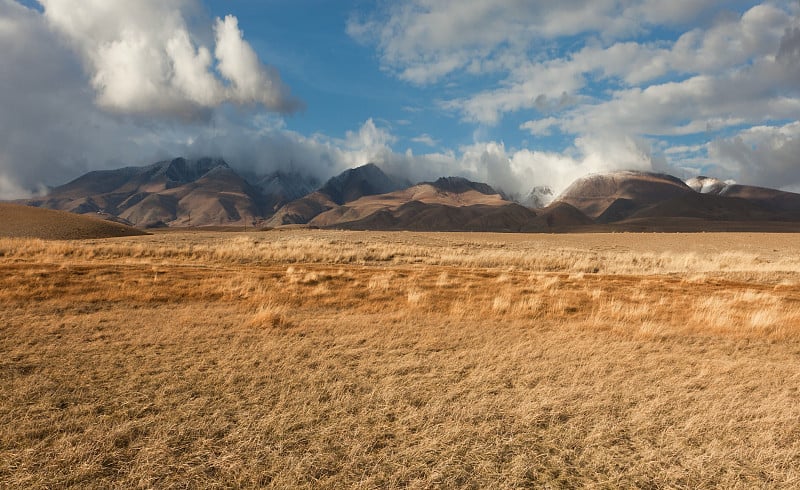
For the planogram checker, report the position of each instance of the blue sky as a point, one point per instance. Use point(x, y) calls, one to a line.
point(340, 79)
point(514, 93)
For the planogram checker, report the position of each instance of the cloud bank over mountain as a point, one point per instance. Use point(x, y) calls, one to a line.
point(685, 87)
point(142, 58)
point(712, 72)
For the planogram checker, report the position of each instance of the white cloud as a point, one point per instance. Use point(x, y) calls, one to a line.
point(426, 139)
point(251, 80)
point(727, 75)
point(762, 155)
point(424, 40)
point(142, 58)
point(49, 127)
point(541, 127)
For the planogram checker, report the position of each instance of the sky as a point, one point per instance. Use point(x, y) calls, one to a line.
point(516, 93)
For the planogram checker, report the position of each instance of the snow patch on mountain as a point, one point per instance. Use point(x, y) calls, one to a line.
point(709, 185)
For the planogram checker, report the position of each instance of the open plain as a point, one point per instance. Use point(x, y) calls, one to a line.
point(308, 358)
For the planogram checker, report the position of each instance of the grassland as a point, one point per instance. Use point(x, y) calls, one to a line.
point(371, 360)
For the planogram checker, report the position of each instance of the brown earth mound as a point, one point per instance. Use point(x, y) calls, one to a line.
point(420, 216)
point(559, 217)
point(707, 206)
point(26, 221)
point(427, 193)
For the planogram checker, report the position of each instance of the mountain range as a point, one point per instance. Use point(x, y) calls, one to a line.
point(208, 192)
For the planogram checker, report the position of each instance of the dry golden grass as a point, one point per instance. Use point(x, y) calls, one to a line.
point(27, 221)
point(372, 360)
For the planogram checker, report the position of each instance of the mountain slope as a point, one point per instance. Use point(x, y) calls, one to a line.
point(559, 217)
point(706, 206)
point(348, 186)
point(281, 187)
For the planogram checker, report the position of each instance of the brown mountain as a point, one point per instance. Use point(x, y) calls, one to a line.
point(178, 192)
point(614, 196)
point(348, 186)
point(281, 187)
point(707, 207)
point(420, 216)
point(786, 204)
point(207, 191)
point(640, 201)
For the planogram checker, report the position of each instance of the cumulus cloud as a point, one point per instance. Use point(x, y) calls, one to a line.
point(723, 76)
point(424, 40)
point(425, 139)
point(49, 127)
point(142, 58)
point(766, 155)
point(53, 131)
point(55, 126)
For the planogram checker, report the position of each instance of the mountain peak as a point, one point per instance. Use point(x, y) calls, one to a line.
point(361, 181)
point(182, 170)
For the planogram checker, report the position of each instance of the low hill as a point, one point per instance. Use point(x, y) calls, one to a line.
point(446, 191)
point(708, 207)
point(25, 221)
point(559, 217)
point(420, 216)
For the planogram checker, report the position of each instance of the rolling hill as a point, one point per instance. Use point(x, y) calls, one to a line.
point(27, 221)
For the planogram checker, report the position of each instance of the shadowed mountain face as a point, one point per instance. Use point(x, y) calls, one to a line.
point(282, 187)
point(361, 181)
point(420, 216)
point(775, 201)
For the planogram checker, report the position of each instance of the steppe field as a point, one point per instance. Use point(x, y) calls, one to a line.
point(325, 359)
